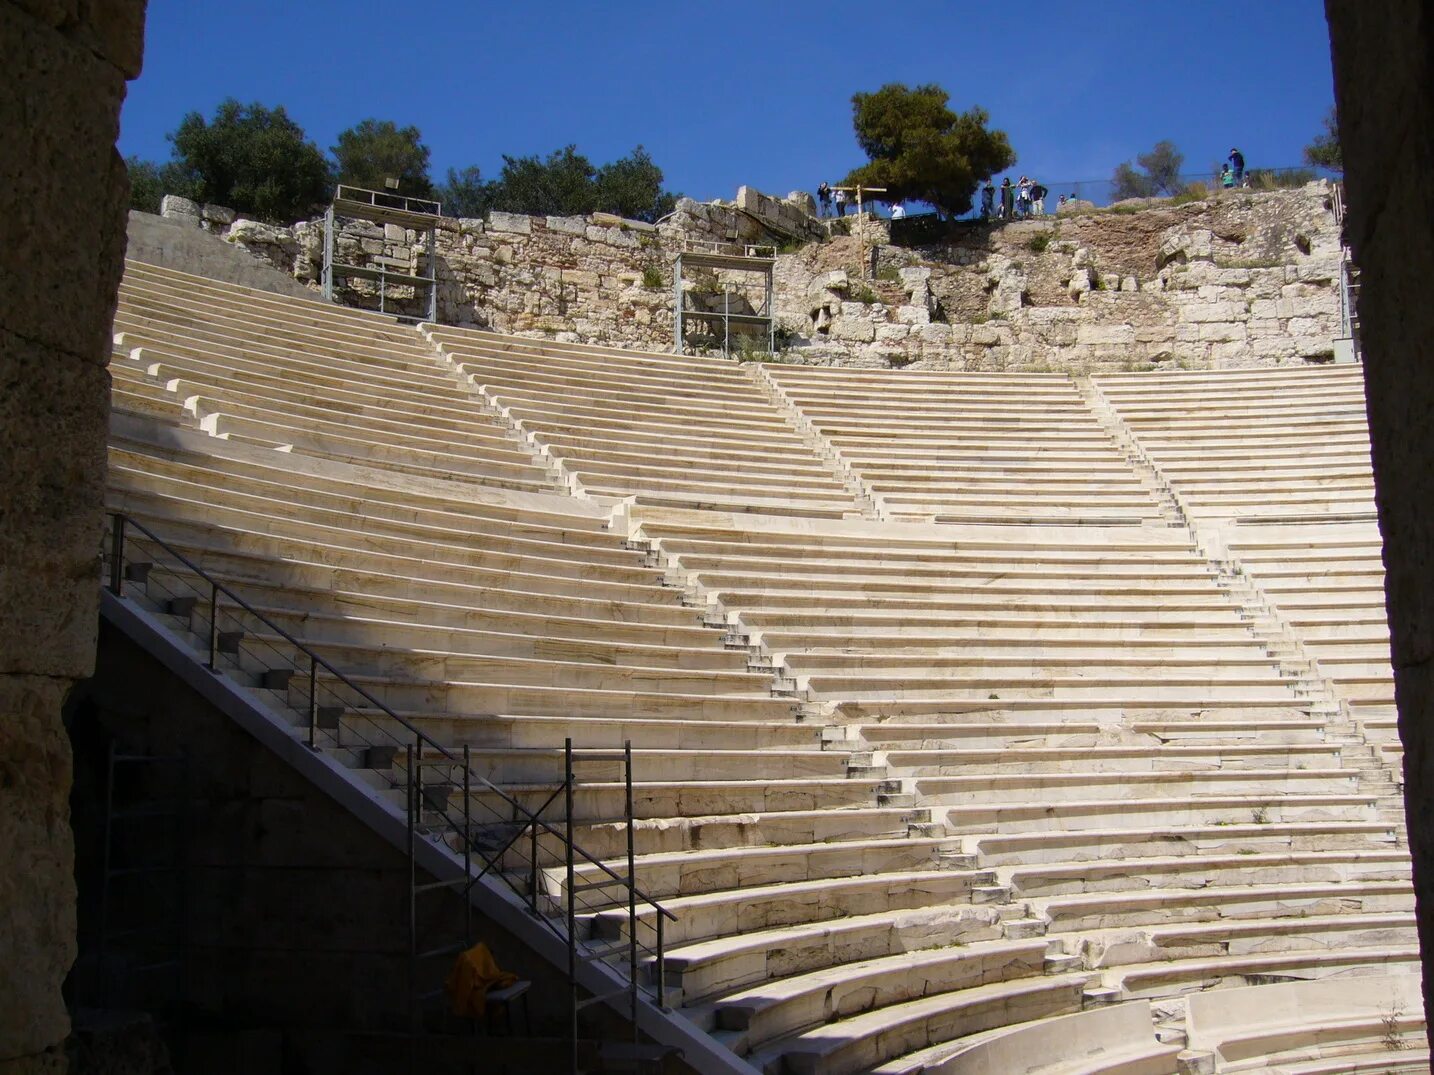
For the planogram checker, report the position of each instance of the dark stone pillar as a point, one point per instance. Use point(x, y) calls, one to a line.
point(1383, 63)
point(63, 201)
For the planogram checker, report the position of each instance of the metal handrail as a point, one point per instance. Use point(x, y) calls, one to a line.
point(123, 520)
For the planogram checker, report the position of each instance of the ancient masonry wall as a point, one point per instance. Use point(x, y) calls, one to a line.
point(1240, 279)
point(63, 193)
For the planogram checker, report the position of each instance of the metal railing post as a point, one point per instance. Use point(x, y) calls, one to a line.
point(313, 703)
point(468, 846)
point(572, 915)
point(214, 627)
point(631, 893)
point(661, 964)
point(117, 555)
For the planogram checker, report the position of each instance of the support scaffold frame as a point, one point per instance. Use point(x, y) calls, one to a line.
point(731, 257)
point(384, 207)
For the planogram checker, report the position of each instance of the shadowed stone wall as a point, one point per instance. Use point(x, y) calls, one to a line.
point(1384, 83)
point(63, 197)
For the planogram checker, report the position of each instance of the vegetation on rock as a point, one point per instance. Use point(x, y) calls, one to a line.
point(1160, 175)
point(253, 159)
point(1324, 151)
point(919, 150)
point(375, 150)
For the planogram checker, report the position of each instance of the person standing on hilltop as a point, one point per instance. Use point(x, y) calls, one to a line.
point(1237, 162)
point(824, 198)
point(988, 199)
point(1023, 198)
point(1008, 200)
point(840, 200)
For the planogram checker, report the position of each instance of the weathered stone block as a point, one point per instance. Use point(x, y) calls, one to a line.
point(889, 333)
point(1105, 334)
point(179, 210)
point(53, 415)
point(857, 331)
point(1222, 331)
point(1211, 311)
point(510, 222)
point(37, 886)
point(567, 225)
point(913, 315)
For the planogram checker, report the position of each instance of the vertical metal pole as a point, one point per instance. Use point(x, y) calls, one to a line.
point(533, 866)
point(313, 702)
point(468, 847)
point(214, 626)
point(677, 306)
point(117, 555)
point(661, 966)
point(433, 274)
point(329, 254)
point(771, 314)
point(412, 911)
point(571, 905)
point(631, 893)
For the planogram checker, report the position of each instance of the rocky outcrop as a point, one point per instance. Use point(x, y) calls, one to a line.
point(1240, 279)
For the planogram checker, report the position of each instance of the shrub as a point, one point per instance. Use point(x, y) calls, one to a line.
point(1038, 243)
point(652, 278)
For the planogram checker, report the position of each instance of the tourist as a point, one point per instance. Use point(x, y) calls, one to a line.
point(988, 199)
point(824, 198)
point(1237, 162)
point(1061, 201)
point(1008, 200)
point(1038, 198)
point(898, 212)
point(1227, 178)
point(1023, 198)
point(840, 199)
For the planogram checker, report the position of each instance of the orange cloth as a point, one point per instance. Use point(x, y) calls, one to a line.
point(474, 973)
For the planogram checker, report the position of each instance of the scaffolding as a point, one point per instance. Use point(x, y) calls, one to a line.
point(728, 257)
point(383, 208)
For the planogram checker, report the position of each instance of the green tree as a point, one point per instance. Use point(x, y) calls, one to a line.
point(632, 187)
point(1161, 173)
point(465, 193)
point(561, 185)
point(1324, 151)
point(919, 150)
point(253, 159)
point(375, 150)
point(150, 182)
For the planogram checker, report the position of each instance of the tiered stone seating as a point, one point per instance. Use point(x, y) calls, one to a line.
point(922, 796)
point(669, 429)
point(1326, 582)
point(1254, 444)
point(971, 447)
point(1124, 764)
point(1375, 1024)
point(322, 380)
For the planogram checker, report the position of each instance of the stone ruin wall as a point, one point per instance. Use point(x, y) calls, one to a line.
point(1243, 279)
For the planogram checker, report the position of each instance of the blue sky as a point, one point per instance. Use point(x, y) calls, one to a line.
point(742, 92)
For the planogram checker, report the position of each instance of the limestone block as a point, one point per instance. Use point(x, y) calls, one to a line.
point(1105, 334)
point(180, 210)
point(578, 278)
point(1079, 284)
point(510, 222)
point(394, 233)
point(567, 225)
point(1129, 283)
point(837, 280)
point(1268, 326)
point(855, 310)
point(913, 315)
point(1304, 326)
point(53, 416)
point(803, 202)
point(1222, 331)
point(1264, 308)
point(858, 331)
point(934, 334)
point(1211, 311)
point(611, 236)
point(1186, 245)
point(985, 335)
point(1110, 281)
point(1232, 277)
point(1322, 306)
point(1154, 333)
point(37, 887)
